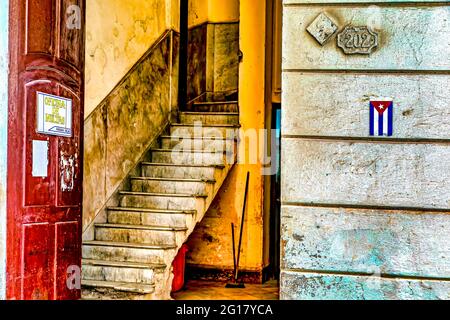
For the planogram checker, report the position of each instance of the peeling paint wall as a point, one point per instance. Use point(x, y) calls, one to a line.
point(211, 243)
point(4, 60)
point(366, 218)
point(118, 33)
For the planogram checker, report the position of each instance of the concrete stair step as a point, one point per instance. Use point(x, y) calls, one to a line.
point(222, 131)
point(210, 144)
point(115, 271)
point(136, 216)
point(231, 106)
point(120, 286)
point(126, 252)
point(210, 118)
point(192, 157)
point(119, 264)
point(131, 253)
point(170, 170)
point(158, 185)
point(166, 201)
point(154, 235)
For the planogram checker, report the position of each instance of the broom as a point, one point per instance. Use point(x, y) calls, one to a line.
point(235, 283)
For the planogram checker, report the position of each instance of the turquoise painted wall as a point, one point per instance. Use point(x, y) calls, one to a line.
point(4, 9)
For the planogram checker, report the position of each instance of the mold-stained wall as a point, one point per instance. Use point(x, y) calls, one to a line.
point(362, 217)
point(124, 126)
point(211, 243)
point(197, 61)
point(132, 115)
point(118, 33)
point(223, 62)
point(4, 59)
point(213, 60)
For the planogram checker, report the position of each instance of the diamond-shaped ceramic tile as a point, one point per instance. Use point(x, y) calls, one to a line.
point(322, 28)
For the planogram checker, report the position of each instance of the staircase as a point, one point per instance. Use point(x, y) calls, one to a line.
point(132, 254)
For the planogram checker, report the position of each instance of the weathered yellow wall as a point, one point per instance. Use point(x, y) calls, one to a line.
point(118, 33)
point(212, 246)
point(251, 102)
point(201, 11)
point(223, 11)
point(198, 12)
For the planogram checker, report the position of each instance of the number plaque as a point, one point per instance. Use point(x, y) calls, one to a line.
point(357, 40)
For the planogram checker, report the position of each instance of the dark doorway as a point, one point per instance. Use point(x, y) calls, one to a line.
point(273, 122)
point(275, 196)
point(184, 43)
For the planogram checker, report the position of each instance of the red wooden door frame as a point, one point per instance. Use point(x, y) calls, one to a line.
point(44, 219)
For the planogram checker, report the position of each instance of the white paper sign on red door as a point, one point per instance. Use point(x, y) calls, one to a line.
point(54, 115)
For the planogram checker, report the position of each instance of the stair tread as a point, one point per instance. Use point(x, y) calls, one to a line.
point(188, 151)
point(128, 245)
point(135, 265)
point(151, 210)
point(206, 125)
point(213, 113)
point(116, 245)
point(138, 227)
point(132, 287)
point(219, 166)
point(214, 103)
point(179, 195)
point(173, 179)
point(198, 138)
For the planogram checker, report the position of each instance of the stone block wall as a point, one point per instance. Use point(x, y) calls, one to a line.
point(366, 217)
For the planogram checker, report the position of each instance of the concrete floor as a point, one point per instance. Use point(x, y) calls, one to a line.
point(207, 290)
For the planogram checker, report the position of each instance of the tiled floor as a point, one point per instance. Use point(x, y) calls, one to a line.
point(206, 290)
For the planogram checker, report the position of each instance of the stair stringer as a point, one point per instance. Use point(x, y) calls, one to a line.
point(163, 282)
point(132, 253)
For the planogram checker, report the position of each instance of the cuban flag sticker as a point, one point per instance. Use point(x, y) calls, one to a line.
point(382, 117)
